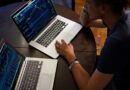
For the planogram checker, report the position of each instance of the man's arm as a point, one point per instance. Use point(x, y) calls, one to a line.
point(84, 81)
point(85, 20)
point(97, 81)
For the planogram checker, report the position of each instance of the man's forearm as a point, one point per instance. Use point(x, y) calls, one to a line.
point(81, 76)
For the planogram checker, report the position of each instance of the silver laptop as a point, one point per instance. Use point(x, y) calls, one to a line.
point(42, 27)
point(20, 73)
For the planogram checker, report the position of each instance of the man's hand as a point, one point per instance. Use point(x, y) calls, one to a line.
point(66, 50)
point(84, 17)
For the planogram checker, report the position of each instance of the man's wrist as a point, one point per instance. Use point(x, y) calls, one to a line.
point(73, 63)
point(70, 59)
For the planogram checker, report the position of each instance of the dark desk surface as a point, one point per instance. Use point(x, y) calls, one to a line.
point(84, 45)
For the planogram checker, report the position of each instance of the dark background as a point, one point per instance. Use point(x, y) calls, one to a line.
point(6, 2)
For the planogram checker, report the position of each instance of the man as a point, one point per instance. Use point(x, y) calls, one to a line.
point(114, 62)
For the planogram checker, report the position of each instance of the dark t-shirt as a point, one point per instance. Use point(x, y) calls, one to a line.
point(115, 55)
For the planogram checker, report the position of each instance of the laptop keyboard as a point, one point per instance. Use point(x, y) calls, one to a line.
point(50, 34)
point(31, 75)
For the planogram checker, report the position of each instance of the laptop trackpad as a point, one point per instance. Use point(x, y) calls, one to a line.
point(46, 81)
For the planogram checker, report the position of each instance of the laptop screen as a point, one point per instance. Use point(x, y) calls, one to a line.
point(33, 17)
point(10, 62)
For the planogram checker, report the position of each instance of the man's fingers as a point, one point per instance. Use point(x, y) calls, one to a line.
point(57, 48)
point(63, 42)
point(57, 44)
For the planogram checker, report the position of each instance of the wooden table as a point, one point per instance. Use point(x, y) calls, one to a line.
point(84, 45)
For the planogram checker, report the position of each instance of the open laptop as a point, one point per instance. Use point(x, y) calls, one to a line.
point(42, 26)
point(20, 73)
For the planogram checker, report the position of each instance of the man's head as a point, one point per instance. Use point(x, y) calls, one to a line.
point(99, 8)
point(116, 5)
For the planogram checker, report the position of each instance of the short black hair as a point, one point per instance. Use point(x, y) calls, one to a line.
point(116, 5)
